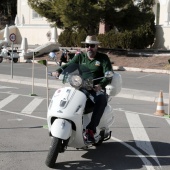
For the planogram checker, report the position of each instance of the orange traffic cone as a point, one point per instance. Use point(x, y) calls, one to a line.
point(160, 106)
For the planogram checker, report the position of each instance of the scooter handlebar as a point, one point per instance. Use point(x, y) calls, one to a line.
point(52, 75)
point(49, 73)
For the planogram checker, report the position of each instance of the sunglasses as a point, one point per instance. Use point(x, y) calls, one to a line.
point(90, 45)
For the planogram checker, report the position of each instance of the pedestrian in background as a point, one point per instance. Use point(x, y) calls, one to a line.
point(64, 57)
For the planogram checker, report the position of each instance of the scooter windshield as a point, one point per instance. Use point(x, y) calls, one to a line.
point(77, 76)
point(78, 69)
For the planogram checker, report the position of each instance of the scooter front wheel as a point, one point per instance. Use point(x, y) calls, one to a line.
point(53, 152)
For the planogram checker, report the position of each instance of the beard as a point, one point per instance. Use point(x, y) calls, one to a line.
point(91, 54)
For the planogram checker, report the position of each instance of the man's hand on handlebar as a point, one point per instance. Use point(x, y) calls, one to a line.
point(55, 74)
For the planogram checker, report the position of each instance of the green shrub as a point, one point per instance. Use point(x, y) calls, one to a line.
point(70, 38)
point(65, 38)
point(139, 38)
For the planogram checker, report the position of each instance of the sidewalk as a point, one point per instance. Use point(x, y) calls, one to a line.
point(125, 93)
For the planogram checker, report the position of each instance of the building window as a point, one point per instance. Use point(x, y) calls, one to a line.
point(35, 15)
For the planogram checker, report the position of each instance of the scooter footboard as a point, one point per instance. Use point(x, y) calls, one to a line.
point(61, 129)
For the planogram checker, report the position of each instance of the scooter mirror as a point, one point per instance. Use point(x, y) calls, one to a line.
point(109, 74)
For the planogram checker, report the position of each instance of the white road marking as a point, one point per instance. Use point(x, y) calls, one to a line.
point(6, 87)
point(21, 114)
point(15, 119)
point(24, 95)
point(32, 106)
point(144, 114)
point(168, 120)
point(144, 76)
point(140, 136)
point(146, 162)
point(6, 92)
point(161, 157)
point(7, 100)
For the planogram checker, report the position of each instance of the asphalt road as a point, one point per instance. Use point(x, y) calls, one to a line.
point(139, 140)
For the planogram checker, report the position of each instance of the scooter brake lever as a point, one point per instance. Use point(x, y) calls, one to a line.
point(50, 74)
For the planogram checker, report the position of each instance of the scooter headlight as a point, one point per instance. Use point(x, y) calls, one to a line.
point(75, 81)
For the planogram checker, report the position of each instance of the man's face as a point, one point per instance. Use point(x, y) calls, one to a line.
point(91, 50)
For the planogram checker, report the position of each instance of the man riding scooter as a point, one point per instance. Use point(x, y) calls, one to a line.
point(98, 63)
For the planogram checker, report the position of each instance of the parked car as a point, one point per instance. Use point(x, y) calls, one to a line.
point(7, 54)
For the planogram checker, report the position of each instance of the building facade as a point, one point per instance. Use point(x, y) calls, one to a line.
point(31, 25)
point(162, 22)
point(37, 30)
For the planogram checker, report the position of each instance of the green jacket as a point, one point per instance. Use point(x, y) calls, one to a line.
point(98, 66)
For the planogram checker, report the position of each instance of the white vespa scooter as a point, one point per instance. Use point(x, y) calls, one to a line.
point(69, 111)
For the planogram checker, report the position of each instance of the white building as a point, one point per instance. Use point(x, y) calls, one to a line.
point(32, 26)
point(162, 21)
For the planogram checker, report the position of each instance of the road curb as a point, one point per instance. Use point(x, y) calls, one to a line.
point(122, 68)
point(146, 70)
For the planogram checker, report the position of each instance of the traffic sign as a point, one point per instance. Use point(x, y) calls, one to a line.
point(12, 37)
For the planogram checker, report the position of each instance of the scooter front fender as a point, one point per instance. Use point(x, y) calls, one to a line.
point(61, 128)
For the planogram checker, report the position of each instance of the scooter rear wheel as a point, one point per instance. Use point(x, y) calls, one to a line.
point(53, 152)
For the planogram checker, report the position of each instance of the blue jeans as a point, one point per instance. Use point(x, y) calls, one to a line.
point(98, 110)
